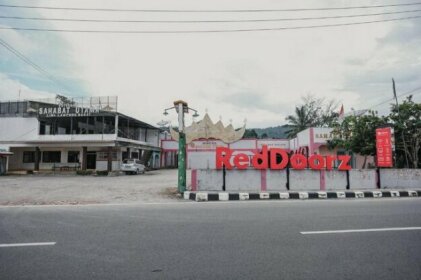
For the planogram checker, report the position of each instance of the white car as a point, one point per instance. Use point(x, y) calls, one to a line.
point(132, 166)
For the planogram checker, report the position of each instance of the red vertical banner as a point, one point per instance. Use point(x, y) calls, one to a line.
point(384, 147)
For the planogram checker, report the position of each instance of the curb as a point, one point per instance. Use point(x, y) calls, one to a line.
point(225, 196)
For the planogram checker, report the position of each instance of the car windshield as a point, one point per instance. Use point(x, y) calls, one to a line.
point(128, 161)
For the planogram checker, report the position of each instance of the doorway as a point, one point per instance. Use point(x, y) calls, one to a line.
point(91, 160)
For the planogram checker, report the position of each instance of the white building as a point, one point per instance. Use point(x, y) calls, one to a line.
point(66, 134)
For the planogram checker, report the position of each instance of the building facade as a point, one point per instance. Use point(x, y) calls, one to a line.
point(66, 134)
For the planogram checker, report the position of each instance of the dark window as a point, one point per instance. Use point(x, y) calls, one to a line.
point(51, 156)
point(73, 156)
point(28, 157)
point(135, 155)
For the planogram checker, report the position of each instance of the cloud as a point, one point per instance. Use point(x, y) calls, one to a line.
point(258, 76)
point(11, 89)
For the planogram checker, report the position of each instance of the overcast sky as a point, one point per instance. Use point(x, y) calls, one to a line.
point(259, 76)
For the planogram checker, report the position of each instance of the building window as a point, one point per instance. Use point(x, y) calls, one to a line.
point(73, 156)
point(28, 157)
point(103, 156)
point(48, 156)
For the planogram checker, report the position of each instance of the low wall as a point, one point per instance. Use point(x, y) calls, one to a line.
point(207, 180)
point(363, 179)
point(245, 180)
point(305, 180)
point(335, 180)
point(308, 180)
point(400, 178)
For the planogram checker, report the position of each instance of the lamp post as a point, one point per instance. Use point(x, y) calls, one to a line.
point(181, 108)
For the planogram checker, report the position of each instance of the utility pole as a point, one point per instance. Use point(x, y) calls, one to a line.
point(399, 116)
point(181, 108)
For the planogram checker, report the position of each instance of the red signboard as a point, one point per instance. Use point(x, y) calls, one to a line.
point(268, 158)
point(384, 147)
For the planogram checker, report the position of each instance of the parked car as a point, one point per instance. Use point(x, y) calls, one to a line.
point(132, 166)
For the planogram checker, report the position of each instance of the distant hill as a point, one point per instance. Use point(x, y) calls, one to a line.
point(275, 132)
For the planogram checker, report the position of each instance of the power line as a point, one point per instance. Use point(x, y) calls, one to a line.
point(399, 95)
point(205, 31)
point(206, 21)
point(206, 11)
point(29, 62)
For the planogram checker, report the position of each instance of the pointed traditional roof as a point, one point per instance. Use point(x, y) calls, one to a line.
point(206, 129)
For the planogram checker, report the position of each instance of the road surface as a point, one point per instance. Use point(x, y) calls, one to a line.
point(214, 240)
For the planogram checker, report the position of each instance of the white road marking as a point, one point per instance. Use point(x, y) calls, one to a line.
point(27, 244)
point(360, 230)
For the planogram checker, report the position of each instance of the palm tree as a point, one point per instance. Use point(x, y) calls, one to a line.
point(300, 121)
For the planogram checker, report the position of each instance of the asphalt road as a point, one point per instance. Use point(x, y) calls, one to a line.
point(221, 240)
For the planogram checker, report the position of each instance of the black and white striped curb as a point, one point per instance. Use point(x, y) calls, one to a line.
point(225, 196)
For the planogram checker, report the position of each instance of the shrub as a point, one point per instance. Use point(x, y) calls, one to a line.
point(84, 172)
point(102, 173)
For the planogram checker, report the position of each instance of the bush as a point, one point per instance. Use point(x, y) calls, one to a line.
point(84, 172)
point(102, 173)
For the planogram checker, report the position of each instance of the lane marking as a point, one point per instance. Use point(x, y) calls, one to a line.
point(360, 230)
point(27, 244)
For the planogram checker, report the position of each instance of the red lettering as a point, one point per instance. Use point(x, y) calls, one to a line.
point(263, 157)
point(273, 160)
point(316, 162)
point(298, 161)
point(344, 162)
point(261, 160)
point(329, 162)
point(223, 156)
point(241, 161)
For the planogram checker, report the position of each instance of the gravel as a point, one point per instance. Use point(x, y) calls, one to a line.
point(153, 186)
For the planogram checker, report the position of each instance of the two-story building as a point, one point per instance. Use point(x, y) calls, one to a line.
point(64, 133)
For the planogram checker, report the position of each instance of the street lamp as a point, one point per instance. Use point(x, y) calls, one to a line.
point(181, 108)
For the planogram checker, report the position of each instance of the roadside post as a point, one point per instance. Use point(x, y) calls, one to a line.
point(181, 108)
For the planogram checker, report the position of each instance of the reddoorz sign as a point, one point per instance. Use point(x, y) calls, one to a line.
point(278, 159)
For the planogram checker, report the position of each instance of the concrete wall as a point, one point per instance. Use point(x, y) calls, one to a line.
point(362, 179)
point(209, 180)
point(335, 180)
point(400, 178)
point(247, 180)
point(276, 180)
point(308, 180)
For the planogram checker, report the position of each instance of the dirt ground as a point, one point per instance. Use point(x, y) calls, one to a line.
point(153, 186)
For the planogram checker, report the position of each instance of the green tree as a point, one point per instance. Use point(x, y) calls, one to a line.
point(357, 134)
point(407, 125)
point(250, 133)
point(315, 112)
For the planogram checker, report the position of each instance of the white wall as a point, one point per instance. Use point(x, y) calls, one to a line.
point(400, 178)
point(201, 160)
point(335, 180)
point(209, 180)
point(18, 129)
point(152, 137)
point(322, 134)
point(303, 138)
point(308, 180)
point(362, 179)
point(103, 165)
point(276, 180)
point(244, 180)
